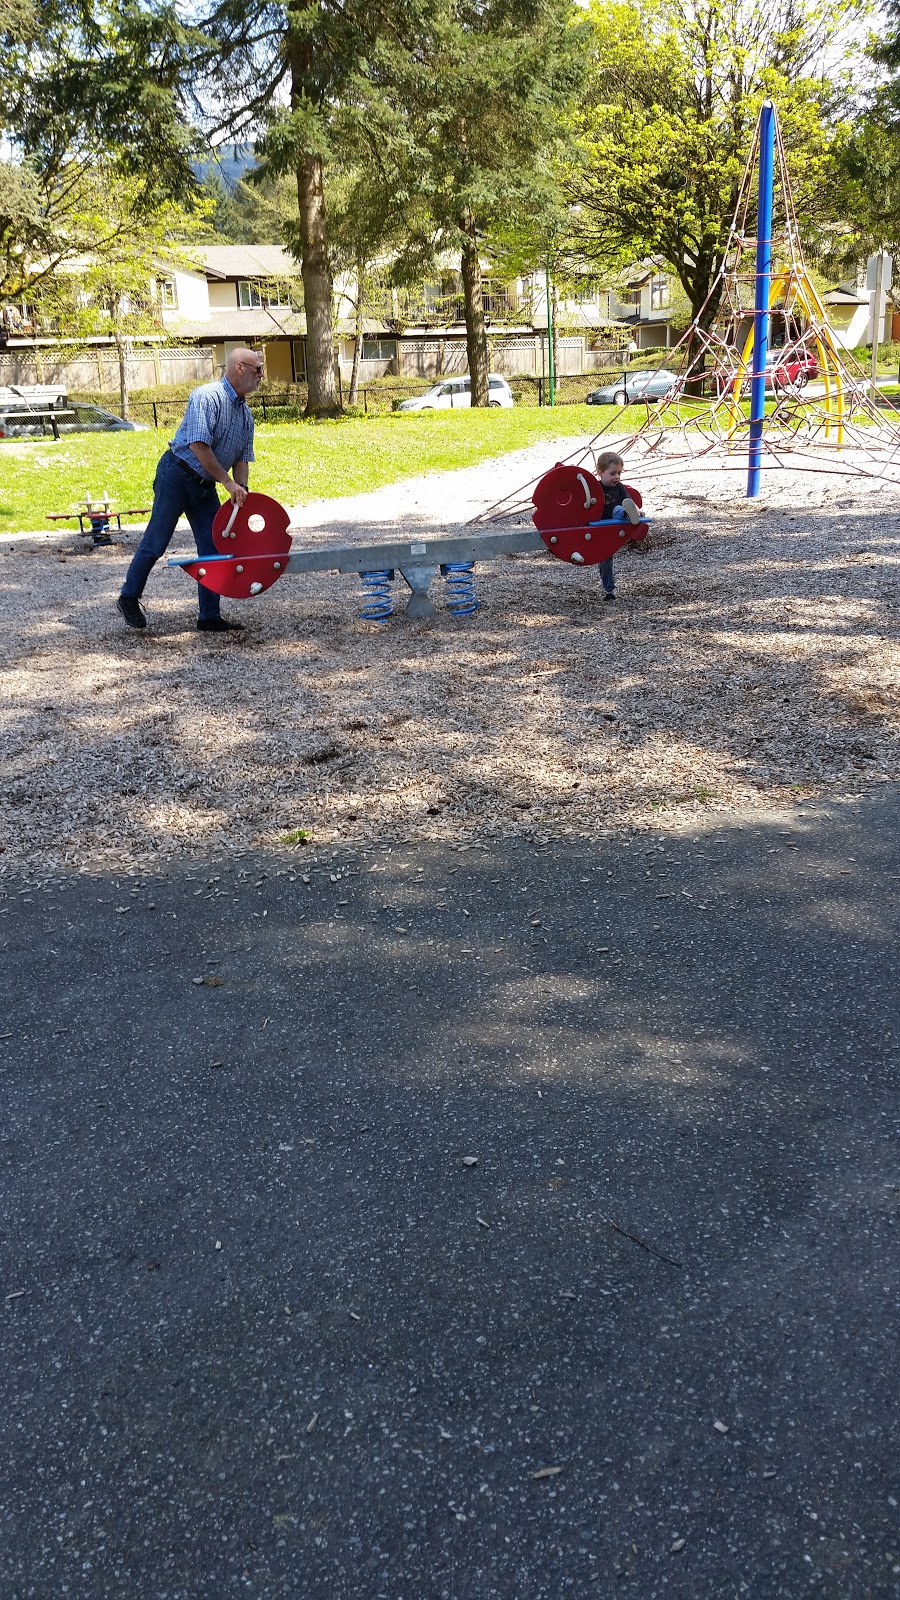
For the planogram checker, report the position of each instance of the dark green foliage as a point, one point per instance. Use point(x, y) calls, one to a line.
point(457, 128)
point(98, 81)
point(90, 115)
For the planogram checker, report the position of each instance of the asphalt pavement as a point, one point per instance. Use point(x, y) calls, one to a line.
point(516, 1220)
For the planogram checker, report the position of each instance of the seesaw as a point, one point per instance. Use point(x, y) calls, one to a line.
point(254, 548)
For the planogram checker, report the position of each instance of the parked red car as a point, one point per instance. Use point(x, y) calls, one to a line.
point(794, 370)
point(782, 372)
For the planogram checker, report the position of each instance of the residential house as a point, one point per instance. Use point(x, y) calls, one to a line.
point(229, 295)
point(854, 315)
point(644, 299)
point(239, 294)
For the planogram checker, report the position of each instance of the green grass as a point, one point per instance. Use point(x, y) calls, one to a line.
point(294, 462)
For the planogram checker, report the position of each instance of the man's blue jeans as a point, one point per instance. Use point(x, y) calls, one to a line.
point(176, 493)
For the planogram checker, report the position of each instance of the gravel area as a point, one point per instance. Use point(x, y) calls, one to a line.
point(752, 658)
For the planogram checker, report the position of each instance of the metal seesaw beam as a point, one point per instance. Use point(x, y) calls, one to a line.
point(418, 560)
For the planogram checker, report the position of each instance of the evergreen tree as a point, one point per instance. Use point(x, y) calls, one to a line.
point(447, 104)
point(459, 127)
point(870, 158)
point(281, 72)
point(112, 293)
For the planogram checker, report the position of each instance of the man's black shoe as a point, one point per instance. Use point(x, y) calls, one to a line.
point(131, 610)
point(218, 625)
point(609, 597)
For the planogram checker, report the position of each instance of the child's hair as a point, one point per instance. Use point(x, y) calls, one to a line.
point(609, 459)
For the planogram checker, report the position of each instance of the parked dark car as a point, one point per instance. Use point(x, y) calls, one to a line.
point(96, 419)
point(23, 417)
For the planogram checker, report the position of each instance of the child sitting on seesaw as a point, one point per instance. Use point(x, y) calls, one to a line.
point(618, 506)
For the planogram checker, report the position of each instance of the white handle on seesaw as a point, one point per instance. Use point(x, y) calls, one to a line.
point(230, 523)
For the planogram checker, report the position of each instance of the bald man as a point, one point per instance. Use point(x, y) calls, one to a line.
point(214, 444)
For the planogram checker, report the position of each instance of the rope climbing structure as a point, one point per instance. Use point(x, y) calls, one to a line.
point(762, 383)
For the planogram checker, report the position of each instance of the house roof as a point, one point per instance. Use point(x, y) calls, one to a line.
point(240, 322)
point(245, 324)
point(635, 276)
point(245, 261)
point(566, 321)
point(844, 297)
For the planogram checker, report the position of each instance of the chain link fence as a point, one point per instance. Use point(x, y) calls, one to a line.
point(381, 396)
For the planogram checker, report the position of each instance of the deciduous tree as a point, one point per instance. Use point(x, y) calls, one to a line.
point(89, 94)
point(673, 93)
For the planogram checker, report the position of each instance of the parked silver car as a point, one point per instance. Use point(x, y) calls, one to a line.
point(634, 386)
point(455, 394)
point(24, 415)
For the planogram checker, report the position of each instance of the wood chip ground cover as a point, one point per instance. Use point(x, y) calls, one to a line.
point(752, 658)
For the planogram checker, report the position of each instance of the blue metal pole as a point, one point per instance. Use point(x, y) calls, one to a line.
point(763, 275)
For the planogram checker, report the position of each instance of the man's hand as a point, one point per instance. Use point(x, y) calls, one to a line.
point(230, 481)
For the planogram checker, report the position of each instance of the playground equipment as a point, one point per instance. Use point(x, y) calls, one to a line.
point(254, 549)
point(564, 501)
point(94, 516)
point(770, 320)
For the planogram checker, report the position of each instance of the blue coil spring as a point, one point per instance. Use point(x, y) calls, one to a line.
point(461, 597)
point(378, 604)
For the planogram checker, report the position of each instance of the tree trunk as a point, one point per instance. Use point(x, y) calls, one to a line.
point(122, 357)
point(476, 337)
point(323, 398)
point(704, 311)
point(357, 337)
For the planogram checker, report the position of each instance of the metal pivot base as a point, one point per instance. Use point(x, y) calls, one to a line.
point(420, 580)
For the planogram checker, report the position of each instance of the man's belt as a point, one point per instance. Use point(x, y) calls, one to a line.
point(189, 470)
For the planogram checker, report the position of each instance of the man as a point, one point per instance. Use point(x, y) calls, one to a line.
point(214, 444)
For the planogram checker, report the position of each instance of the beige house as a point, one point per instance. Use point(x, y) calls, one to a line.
point(239, 295)
point(232, 295)
point(863, 306)
point(252, 294)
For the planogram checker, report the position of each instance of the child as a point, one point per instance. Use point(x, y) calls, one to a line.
point(617, 506)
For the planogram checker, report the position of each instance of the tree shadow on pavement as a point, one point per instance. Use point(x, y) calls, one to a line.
point(503, 1221)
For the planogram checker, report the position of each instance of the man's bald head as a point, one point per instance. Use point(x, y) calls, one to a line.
point(244, 370)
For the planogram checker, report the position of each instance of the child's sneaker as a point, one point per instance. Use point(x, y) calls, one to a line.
point(631, 511)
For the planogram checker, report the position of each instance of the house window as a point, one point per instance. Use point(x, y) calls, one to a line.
point(168, 294)
point(497, 300)
point(630, 299)
point(253, 296)
point(379, 349)
point(298, 360)
point(660, 294)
